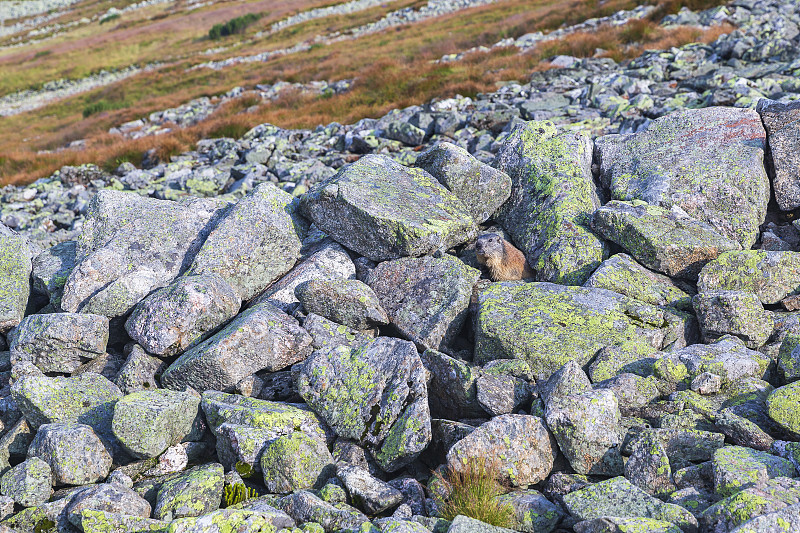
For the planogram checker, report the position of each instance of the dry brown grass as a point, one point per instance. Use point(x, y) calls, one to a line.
point(393, 68)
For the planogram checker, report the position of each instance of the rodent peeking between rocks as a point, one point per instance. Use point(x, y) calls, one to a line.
point(504, 261)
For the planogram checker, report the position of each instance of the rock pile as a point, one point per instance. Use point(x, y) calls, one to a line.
point(330, 351)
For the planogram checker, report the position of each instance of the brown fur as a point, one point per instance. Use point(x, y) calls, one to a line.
point(504, 261)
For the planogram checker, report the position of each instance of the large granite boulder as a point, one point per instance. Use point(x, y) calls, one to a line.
point(552, 200)
point(547, 325)
point(782, 122)
point(483, 189)
point(177, 317)
point(373, 393)
point(426, 298)
point(772, 276)
point(665, 240)
point(521, 446)
point(267, 220)
point(131, 245)
point(74, 452)
point(261, 338)
point(709, 162)
point(59, 342)
point(383, 210)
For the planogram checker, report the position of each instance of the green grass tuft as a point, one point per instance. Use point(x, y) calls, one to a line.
point(237, 493)
point(473, 491)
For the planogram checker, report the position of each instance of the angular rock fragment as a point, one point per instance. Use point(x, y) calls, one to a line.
point(547, 325)
point(664, 240)
point(427, 298)
point(552, 200)
point(196, 492)
point(784, 407)
point(772, 496)
point(782, 122)
point(620, 273)
point(533, 513)
point(29, 483)
point(735, 313)
point(327, 334)
point(483, 189)
point(138, 372)
point(709, 162)
point(383, 210)
point(501, 394)
point(15, 273)
point(177, 317)
point(348, 302)
point(522, 446)
point(267, 220)
point(109, 497)
point(146, 423)
point(772, 276)
point(131, 245)
point(648, 466)
point(75, 454)
point(59, 342)
point(452, 390)
point(295, 462)
point(372, 495)
point(619, 498)
point(737, 468)
point(260, 338)
point(614, 524)
point(305, 507)
point(728, 358)
point(374, 394)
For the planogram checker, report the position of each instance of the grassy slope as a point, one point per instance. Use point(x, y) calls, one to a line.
point(394, 69)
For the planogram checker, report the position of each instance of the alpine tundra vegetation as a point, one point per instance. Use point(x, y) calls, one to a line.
point(567, 302)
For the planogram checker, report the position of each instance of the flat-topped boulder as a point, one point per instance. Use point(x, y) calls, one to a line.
point(709, 162)
point(383, 210)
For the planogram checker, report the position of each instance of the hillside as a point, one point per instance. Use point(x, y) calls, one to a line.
point(452, 266)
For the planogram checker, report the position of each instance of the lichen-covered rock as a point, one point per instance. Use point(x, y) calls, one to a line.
point(533, 513)
point(728, 358)
point(75, 454)
point(587, 428)
point(267, 220)
point(789, 357)
point(632, 391)
point(772, 276)
point(781, 122)
point(93, 521)
point(243, 426)
point(374, 394)
point(664, 240)
point(146, 423)
point(295, 462)
point(709, 162)
point(552, 200)
point(614, 524)
point(348, 302)
point(567, 380)
point(194, 493)
point(305, 507)
point(59, 342)
point(737, 467)
point(483, 189)
point(786, 520)
point(109, 497)
point(648, 466)
point(29, 483)
point(368, 493)
point(260, 338)
point(500, 394)
point(784, 407)
point(383, 210)
point(774, 495)
point(620, 273)
point(327, 334)
point(130, 245)
point(426, 298)
point(175, 318)
point(452, 390)
point(742, 432)
point(50, 270)
point(683, 446)
point(138, 372)
point(86, 399)
point(223, 521)
point(15, 273)
point(735, 313)
point(619, 498)
point(522, 446)
point(330, 262)
point(547, 325)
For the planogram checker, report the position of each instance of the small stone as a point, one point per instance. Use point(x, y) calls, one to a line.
point(295, 462)
point(371, 495)
point(348, 302)
point(195, 493)
point(109, 497)
point(76, 455)
point(706, 383)
point(29, 483)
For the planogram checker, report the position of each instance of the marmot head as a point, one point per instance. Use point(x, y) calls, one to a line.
point(489, 245)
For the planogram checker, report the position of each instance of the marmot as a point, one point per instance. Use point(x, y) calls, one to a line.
point(505, 262)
